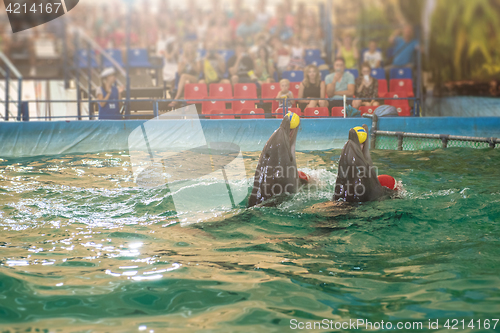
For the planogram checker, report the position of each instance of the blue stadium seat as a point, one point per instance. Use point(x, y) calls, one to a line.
point(315, 62)
point(139, 58)
point(324, 73)
point(313, 53)
point(81, 59)
point(378, 73)
point(401, 73)
point(293, 76)
point(116, 54)
point(353, 72)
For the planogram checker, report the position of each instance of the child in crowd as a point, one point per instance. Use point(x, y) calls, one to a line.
point(298, 54)
point(285, 94)
point(373, 56)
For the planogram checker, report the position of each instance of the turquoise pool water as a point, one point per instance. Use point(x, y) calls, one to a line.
point(82, 249)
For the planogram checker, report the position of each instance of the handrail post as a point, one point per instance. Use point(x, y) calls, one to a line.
point(155, 109)
point(19, 97)
point(77, 67)
point(89, 78)
point(7, 86)
point(127, 68)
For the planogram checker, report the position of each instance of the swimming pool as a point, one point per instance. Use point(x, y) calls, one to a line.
point(83, 248)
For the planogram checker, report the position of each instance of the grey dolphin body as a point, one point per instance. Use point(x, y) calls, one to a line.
point(276, 173)
point(357, 178)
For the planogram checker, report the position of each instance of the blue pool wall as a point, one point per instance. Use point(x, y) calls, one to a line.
point(23, 139)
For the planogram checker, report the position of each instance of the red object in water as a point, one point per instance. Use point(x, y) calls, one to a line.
point(387, 181)
point(303, 176)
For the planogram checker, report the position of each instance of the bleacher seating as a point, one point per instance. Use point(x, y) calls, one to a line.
point(195, 91)
point(82, 57)
point(353, 71)
point(367, 109)
point(252, 113)
point(279, 112)
point(220, 90)
point(116, 54)
point(378, 73)
point(208, 106)
point(401, 105)
point(316, 112)
point(338, 111)
point(293, 76)
point(402, 85)
point(269, 92)
point(294, 88)
point(221, 114)
point(382, 88)
point(317, 62)
point(138, 58)
point(401, 73)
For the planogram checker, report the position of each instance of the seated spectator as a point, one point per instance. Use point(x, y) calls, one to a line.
point(404, 48)
point(281, 30)
point(339, 83)
point(281, 55)
point(260, 42)
point(348, 50)
point(109, 92)
point(298, 52)
point(247, 28)
point(372, 56)
point(312, 87)
point(262, 16)
point(212, 66)
point(366, 88)
point(241, 66)
point(264, 66)
point(169, 50)
point(285, 93)
point(188, 70)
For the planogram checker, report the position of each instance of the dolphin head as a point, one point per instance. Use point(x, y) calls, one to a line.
point(276, 173)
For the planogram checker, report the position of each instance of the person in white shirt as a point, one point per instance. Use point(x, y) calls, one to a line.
point(373, 56)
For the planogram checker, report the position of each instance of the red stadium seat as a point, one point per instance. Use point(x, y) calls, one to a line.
point(195, 91)
point(251, 113)
point(221, 90)
point(338, 111)
point(209, 106)
point(244, 90)
point(395, 102)
point(404, 110)
point(270, 90)
point(294, 88)
point(279, 112)
point(243, 104)
point(382, 88)
point(367, 109)
point(222, 114)
point(402, 85)
point(316, 112)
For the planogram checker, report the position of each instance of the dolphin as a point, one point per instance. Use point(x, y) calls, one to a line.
point(276, 173)
point(357, 177)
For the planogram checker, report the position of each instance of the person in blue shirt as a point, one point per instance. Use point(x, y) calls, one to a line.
point(339, 83)
point(404, 48)
point(109, 94)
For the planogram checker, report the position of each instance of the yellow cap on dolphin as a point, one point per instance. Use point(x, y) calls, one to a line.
point(294, 119)
point(362, 135)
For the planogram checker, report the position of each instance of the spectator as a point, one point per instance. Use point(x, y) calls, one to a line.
point(285, 93)
point(281, 55)
point(241, 66)
point(248, 28)
point(188, 70)
point(312, 87)
point(264, 66)
point(110, 94)
point(281, 30)
point(262, 16)
point(366, 88)
point(404, 48)
point(348, 50)
point(372, 56)
point(339, 83)
point(261, 41)
point(298, 53)
point(213, 66)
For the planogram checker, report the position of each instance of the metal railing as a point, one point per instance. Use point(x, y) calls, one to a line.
point(12, 69)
